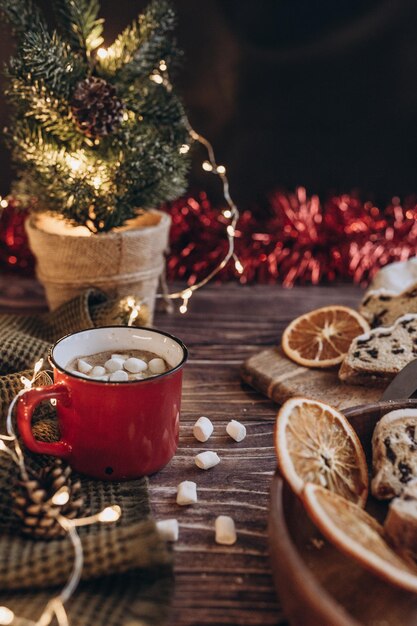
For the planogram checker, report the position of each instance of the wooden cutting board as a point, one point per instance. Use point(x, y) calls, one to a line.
point(275, 376)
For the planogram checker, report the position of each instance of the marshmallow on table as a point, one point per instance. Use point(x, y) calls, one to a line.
point(225, 530)
point(157, 366)
point(236, 430)
point(187, 493)
point(84, 367)
point(119, 376)
point(202, 429)
point(134, 365)
point(114, 364)
point(206, 460)
point(168, 529)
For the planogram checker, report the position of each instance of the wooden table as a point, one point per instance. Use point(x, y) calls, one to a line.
point(222, 585)
point(219, 585)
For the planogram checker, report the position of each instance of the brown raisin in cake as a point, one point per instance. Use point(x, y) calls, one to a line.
point(381, 307)
point(376, 357)
point(394, 453)
point(401, 522)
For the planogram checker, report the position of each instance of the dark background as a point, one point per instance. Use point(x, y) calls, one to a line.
point(292, 92)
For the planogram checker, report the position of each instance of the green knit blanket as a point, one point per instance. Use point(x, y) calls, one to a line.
point(127, 574)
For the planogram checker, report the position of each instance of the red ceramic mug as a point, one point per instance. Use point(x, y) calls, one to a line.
point(111, 430)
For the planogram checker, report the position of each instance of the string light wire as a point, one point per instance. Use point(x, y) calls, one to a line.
point(232, 213)
point(56, 605)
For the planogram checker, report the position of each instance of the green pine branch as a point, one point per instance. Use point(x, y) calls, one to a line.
point(34, 101)
point(44, 57)
point(160, 108)
point(103, 181)
point(140, 47)
point(22, 15)
point(79, 23)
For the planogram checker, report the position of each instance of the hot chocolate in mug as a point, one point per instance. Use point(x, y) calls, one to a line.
point(111, 430)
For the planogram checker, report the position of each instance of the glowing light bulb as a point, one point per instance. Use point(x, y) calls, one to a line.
point(4, 203)
point(221, 169)
point(230, 231)
point(73, 163)
point(96, 182)
point(183, 308)
point(157, 78)
point(26, 382)
point(6, 616)
point(183, 150)
point(163, 66)
point(207, 166)
point(110, 514)
point(61, 497)
point(37, 367)
point(239, 266)
point(102, 53)
point(187, 294)
point(227, 213)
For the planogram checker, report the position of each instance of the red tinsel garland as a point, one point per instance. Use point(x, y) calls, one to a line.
point(14, 250)
point(303, 240)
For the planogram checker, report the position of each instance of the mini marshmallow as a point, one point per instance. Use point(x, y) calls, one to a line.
point(138, 376)
point(202, 429)
point(206, 460)
point(168, 529)
point(225, 530)
point(84, 367)
point(120, 356)
point(97, 370)
point(157, 366)
point(119, 376)
point(113, 364)
point(99, 377)
point(236, 430)
point(134, 366)
point(187, 493)
point(79, 374)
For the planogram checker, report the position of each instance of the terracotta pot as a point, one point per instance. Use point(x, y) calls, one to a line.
point(124, 262)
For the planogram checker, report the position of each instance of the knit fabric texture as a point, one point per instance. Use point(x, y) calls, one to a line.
point(127, 573)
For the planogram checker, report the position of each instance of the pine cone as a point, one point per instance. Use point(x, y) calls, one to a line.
point(33, 501)
point(96, 108)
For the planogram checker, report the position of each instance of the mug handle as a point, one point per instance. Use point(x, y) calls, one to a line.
point(25, 407)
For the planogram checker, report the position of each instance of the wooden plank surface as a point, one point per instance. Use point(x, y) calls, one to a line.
point(221, 585)
point(274, 375)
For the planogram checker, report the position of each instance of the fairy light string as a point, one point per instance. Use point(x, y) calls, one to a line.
point(231, 213)
point(55, 607)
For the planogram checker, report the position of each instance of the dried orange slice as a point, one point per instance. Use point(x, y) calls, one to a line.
point(358, 535)
point(321, 338)
point(316, 444)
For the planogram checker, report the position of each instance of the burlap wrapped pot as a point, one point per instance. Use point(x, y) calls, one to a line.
point(126, 261)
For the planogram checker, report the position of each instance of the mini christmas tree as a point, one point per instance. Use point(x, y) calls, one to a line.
point(96, 133)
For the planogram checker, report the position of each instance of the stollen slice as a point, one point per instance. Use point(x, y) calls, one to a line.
point(376, 357)
point(394, 453)
point(381, 307)
point(358, 535)
point(400, 525)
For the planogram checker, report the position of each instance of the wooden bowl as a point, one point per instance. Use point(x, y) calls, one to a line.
point(317, 584)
